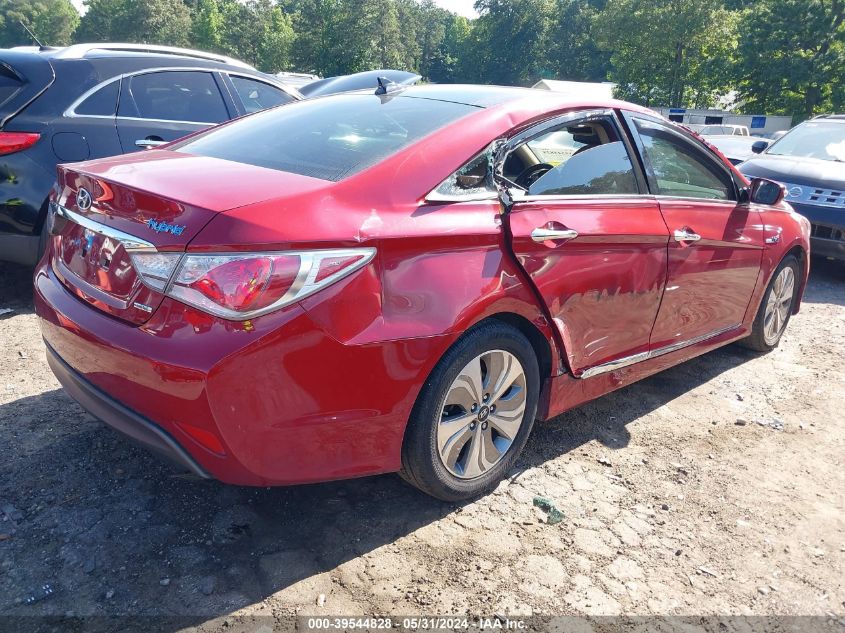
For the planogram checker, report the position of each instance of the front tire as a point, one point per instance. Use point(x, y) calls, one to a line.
point(775, 308)
point(473, 415)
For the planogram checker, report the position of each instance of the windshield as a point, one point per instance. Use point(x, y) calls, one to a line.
point(813, 139)
point(329, 138)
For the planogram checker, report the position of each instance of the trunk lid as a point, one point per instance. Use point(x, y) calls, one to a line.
point(157, 200)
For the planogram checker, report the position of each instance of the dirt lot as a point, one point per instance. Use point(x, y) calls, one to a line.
point(682, 494)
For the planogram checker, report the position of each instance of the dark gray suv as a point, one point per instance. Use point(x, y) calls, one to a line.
point(810, 161)
point(69, 104)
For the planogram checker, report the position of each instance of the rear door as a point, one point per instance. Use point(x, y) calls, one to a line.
point(716, 243)
point(163, 105)
point(589, 236)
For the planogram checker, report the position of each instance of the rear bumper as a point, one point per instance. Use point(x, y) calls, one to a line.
point(282, 401)
point(119, 417)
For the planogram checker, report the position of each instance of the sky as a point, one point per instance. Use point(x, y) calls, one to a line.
point(461, 7)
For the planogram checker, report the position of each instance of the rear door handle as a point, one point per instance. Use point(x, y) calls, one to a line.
point(686, 235)
point(147, 143)
point(541, 235)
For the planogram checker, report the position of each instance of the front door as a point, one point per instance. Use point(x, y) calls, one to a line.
point(592, 241)
point(715, 244)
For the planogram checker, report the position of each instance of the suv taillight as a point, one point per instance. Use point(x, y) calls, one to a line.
point(246, 285)
point(11, 142)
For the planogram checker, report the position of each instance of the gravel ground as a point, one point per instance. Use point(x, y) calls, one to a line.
point(716, 487)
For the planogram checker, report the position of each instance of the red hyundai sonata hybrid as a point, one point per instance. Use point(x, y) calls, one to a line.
point(367, 283)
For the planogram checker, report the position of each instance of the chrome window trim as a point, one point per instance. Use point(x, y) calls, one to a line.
point(625, 361)
point(70, 111)
point(470, 197)
point(129, 242)
point(584, 196)
point(730, 203)
point(139, 118)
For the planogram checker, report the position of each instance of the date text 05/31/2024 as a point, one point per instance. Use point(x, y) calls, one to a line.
point(419, 623)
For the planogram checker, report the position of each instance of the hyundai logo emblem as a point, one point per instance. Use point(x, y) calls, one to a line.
point(83, 200)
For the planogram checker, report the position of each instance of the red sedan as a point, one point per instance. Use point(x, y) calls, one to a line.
point(369, 283)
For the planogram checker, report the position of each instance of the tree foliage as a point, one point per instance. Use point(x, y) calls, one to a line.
point(777, 56)
point(791, 56)
point(148, 22)
point(667, 52)
point(52, 21)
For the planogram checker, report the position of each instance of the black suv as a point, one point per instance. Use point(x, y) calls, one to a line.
point(69, 104)
point(810, 161)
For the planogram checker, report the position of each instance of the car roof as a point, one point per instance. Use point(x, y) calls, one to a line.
point(527, 101)
point(119, 49)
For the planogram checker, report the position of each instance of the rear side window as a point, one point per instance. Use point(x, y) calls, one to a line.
point(328, 138)
point(103, 102)
point(257, 95)
point(9, 84)
point(174, 96)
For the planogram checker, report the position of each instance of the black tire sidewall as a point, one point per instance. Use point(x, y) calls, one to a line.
point(422, 465)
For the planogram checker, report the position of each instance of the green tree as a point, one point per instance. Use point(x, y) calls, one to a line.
point(508, 43)
point(257, 32)
point(207, 26)
point(165, 22)
point(573, 52)
point(792, 57)
point(451, 62)
point(668, 52)
point(52, 21)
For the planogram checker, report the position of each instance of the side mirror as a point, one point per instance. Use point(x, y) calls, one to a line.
point(765, 191)
point(759, 146)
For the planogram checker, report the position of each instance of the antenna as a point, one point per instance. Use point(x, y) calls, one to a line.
point(31, 34)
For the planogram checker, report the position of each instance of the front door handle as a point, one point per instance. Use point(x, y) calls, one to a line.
point(686, 235)
point(147, 143)
point(541, 234)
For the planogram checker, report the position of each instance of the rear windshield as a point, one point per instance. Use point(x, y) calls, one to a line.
point(329, 138)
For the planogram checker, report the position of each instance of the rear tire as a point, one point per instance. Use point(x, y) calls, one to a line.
point(775, 308)
point(473, 415)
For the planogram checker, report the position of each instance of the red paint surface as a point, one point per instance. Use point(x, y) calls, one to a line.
point(323, 389)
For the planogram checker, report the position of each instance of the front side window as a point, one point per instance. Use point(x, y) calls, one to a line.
point(679, 168)
point(103, 102)
point(174, 96)
point(329, 138)
point(257, 95)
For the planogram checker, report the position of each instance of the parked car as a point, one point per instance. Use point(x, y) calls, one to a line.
point(736, 149)
point(810, 161)
point(723, 130)
point(88, 101)
point(357, 81)
point(296, 80)
point(367, 283)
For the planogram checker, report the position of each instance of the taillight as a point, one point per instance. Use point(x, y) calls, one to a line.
point(11, 142)
point(246, 285)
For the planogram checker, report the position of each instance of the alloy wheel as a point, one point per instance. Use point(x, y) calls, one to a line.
point(778, 305)
point(482, 414)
